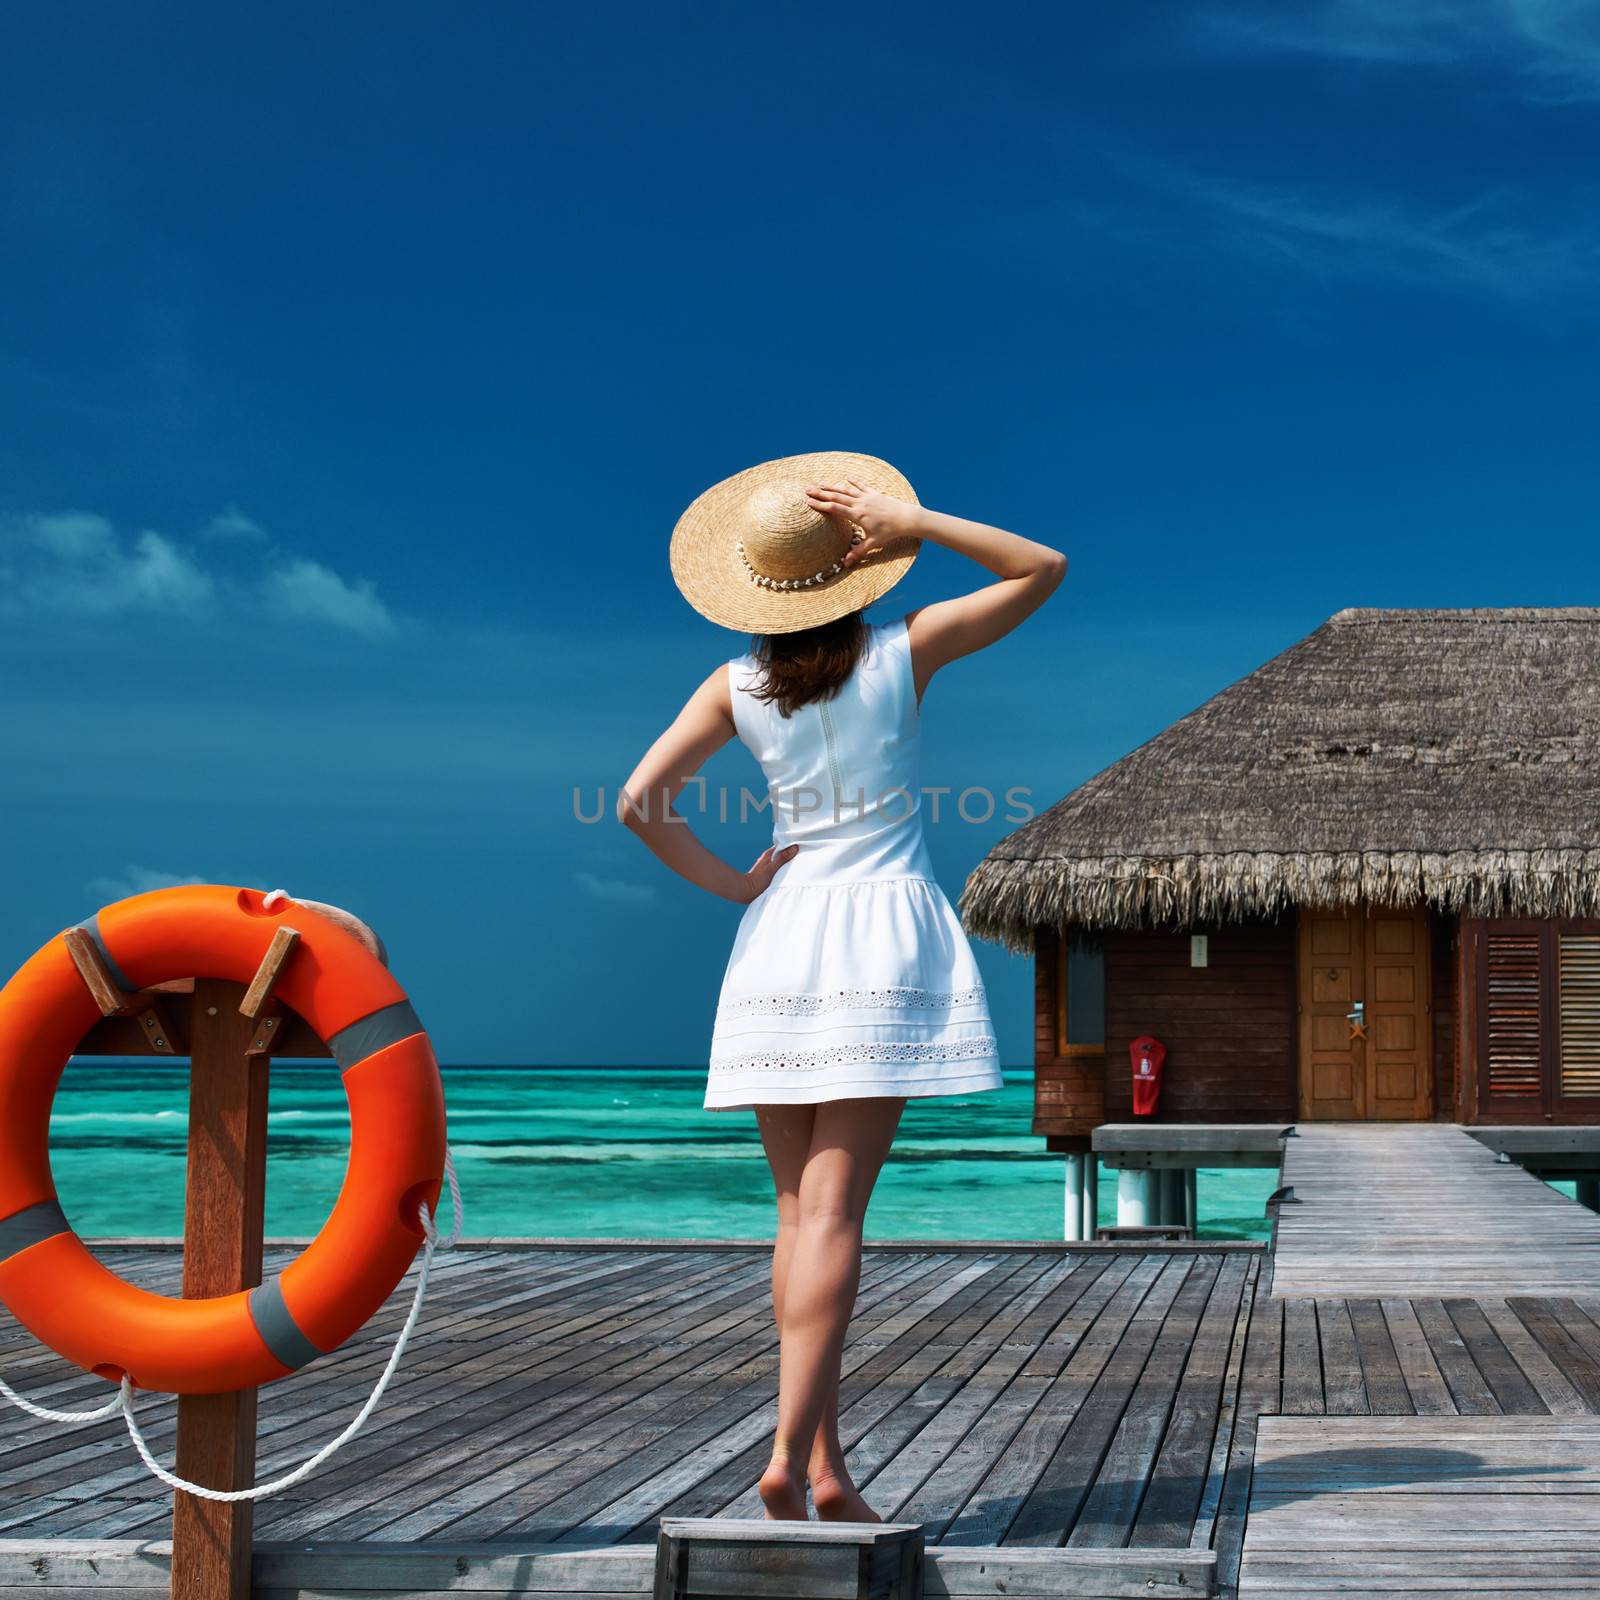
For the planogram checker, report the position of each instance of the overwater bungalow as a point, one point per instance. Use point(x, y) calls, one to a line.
point(1361, 883)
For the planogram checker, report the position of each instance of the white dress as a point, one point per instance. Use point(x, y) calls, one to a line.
point(850, 977)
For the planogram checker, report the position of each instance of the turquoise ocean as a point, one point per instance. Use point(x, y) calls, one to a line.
point(584, 1153)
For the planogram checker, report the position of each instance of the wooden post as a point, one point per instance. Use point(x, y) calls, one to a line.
point(1091, 1196)
point(222, 1233)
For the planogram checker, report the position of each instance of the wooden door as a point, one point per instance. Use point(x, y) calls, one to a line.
point(1332, 978)
point(1365, 1023)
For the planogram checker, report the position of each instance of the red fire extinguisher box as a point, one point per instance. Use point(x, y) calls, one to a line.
point(1148, 1054)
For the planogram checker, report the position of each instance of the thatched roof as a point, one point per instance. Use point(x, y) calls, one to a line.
point(1451, 757)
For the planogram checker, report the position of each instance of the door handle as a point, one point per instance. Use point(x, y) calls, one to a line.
point(1358, 1014)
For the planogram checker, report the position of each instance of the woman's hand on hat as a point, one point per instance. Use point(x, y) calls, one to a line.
point(762, 873)
point(881, 518)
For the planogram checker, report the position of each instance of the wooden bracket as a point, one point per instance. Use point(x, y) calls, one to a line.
point(264, 1036)
point(153, 1024)
point(267, 975)
point(86, 957)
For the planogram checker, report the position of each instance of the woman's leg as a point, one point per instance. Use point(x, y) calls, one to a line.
point(786, 1133)
point(786, 1138)
point(849, 1141)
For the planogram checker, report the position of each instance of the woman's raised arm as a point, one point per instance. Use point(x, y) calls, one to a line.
point(1029, 572)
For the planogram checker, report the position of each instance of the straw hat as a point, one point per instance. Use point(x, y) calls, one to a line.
point(752, 554)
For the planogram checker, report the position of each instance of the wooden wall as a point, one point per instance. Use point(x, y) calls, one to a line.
point(1229, 1027)
point(1446, 1066)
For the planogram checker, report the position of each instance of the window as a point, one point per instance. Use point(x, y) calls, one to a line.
point(1080, 996)
point(1538, 986)
point(1578, 1013)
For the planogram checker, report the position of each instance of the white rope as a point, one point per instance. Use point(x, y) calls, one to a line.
point(433, 1241)
point(112, 1405)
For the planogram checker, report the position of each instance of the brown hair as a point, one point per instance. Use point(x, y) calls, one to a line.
point(812, 664)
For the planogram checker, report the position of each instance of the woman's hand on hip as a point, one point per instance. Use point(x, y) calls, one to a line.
point(760, 876)
point(881, 518)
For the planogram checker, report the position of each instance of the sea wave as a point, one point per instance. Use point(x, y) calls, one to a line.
point(566, 1154)
point(119, 1116)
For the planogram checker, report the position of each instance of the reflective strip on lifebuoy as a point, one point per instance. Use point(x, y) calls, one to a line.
point(66, 1298)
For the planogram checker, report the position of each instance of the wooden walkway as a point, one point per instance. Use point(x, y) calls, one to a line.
point(1424, 1368)
point(1084, 1420)
point(1423, 1209)
point(1442, 1506)
point(1029, 1398)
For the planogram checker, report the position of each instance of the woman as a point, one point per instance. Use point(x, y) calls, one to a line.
point(851, 986)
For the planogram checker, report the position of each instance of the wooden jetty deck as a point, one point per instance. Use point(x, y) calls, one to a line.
point(1407, 1208)
point(1064, 1420)
point(1031, 1398)
point(1436, 1506)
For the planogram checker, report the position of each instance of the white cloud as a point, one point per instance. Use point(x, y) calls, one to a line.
point(1550, 48)
point(622, 891)
point(134, 880)
point(232, 523)
point(306, 589)
point(76, 564)
point(1482, 245)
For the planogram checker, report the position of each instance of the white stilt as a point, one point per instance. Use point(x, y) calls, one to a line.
point(1091, 1196)
point(1136, 1198)
point(1588, 1187)
point(1191, 1199)
point(1072, 1220)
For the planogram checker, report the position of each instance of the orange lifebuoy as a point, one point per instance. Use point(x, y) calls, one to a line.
point(66, 1298)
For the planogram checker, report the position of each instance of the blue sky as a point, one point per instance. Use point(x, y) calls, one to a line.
point(355, 363)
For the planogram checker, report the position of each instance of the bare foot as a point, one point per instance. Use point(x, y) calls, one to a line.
point(783, 1493)
point(838, 1500)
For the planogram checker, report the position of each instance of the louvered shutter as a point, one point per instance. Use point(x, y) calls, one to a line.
point(1578, 1007)
point(1512, 1002)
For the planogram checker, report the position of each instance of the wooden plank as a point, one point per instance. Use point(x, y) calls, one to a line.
point(1575, 1364)
point(96, 975)
point(1385, 1384)
point(1556, 1392)
point(306, 1422)
point(1166, 1515)
point(1260, 1394)
point(1066, 1364)
point(604, 1404)
point(1468, 1388)
point(265, 982)
point(1112, 1505)
point(1302, 1360)
point(1263, 1138)
point(894, 1380)
point(1203, 1534)
point(1512, 1391)
point(1052, 1506)
point(1344, 1388)
point(1425, 1386)
point(971, 1427)
point(578, 1502)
